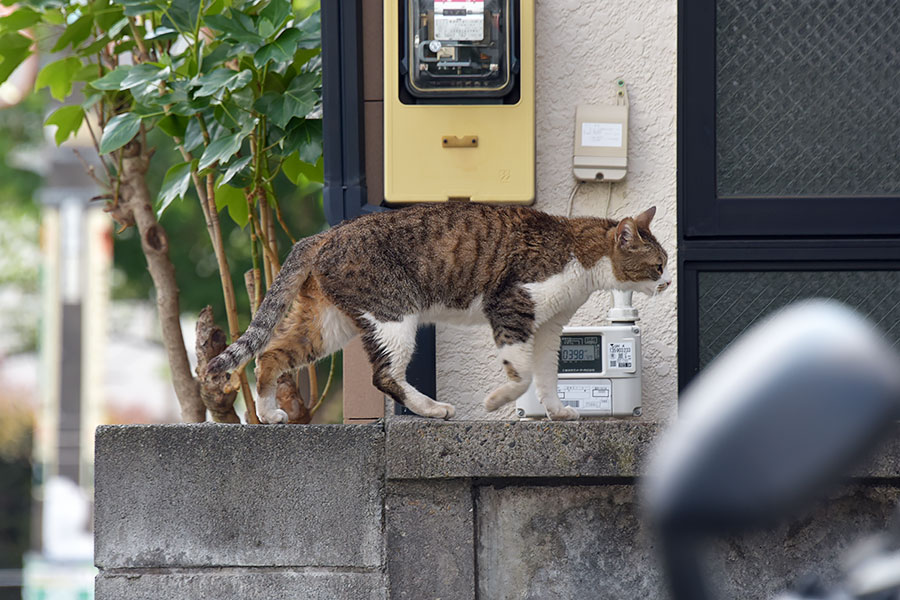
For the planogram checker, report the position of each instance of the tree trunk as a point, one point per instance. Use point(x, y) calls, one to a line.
point(211, 343)
point(135, 207)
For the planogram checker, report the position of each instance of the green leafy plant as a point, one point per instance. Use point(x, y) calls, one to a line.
point(233, 84)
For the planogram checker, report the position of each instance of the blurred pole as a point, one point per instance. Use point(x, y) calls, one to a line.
point(77, 253)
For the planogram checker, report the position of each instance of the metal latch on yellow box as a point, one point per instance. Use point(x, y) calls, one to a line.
point(466, 141)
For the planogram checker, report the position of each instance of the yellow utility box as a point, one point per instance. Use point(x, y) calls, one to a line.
point(459, 101)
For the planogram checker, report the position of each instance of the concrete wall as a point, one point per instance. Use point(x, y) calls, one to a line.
point(581, 48)
point(416, 509)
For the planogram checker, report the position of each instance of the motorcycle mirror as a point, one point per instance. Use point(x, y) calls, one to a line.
point(784, 410)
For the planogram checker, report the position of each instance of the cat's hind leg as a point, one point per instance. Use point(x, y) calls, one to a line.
point(284, 353)
point(390, 346)
point(511, 316)
point(517, 362)
point(312, 329)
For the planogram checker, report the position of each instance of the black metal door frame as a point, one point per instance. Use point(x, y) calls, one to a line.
point(345, 194)
point(750, 233)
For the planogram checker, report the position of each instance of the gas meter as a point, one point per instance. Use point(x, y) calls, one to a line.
point(599, 368)
point(459, 101)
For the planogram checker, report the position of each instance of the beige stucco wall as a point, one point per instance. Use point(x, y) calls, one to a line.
point(582, 46)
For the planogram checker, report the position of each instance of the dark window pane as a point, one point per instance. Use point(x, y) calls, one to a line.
point(732, 301)
point(808, 97)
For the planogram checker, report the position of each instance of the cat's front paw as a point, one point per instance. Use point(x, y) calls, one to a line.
point(449, 410)
point(276, 416)
point(566, 413)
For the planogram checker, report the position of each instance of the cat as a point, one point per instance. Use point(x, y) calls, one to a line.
point(522, 271)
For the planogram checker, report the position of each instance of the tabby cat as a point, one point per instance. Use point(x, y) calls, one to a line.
point(383, 275)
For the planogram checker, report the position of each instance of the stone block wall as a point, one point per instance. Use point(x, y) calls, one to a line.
point(422, 510)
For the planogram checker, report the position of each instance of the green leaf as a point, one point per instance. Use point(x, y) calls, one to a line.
point(318, 174)
point(281, 50)
point(142, 75)
point(14, 41)
point(58, 77)
point(306, 139)
point(86, 73)
point(274, 82)
point(161, 33)
point(119, 131)
point(133, 8)
point(221, 149)
point(222, 79)
point(296, 170)
point(230, 114)
point(183, 15)
point(110, 20)
point(235, 28)
point(235, 168)
point(175, 185)
point(14, 48)
point(10, 59)
point(236, 202)
point(117, 27)
point(216, 6)
point(276, 13)
point(311, 30)
point(189, 109)
point(91, 50)
point(193, 135)
point(53, 16)
point(20, 19)
point(303, 56)
point(173, 126)
point(93, 97)
point(296, 101)
point(67, 120)
point(75, 33)
point(112, 80)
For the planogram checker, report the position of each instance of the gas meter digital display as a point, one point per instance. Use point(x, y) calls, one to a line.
point(459, 101)
point(580, 354)
point(460, 48)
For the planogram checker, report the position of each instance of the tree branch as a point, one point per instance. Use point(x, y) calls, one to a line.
point(215, 234)
point(135, 205)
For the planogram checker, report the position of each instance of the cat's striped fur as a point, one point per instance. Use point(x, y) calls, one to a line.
point(522, 271)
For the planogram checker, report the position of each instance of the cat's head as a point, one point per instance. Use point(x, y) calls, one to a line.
point(639, 262)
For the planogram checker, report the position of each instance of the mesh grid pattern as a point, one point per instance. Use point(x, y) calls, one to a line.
point(808, 97)
point(732, 301)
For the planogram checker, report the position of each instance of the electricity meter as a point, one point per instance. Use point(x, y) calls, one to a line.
point(459, 101)
point(460, 48)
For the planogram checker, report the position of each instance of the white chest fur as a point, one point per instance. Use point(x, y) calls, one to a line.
point(570, 288)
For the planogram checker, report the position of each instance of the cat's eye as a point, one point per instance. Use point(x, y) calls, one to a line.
point(659, 268)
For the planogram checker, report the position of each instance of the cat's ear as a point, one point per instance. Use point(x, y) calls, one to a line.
point(626, 233)
point(643, 219)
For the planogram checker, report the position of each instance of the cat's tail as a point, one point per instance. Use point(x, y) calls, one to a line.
point(281, 294)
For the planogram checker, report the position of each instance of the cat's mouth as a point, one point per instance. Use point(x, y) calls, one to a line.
point(663, 286)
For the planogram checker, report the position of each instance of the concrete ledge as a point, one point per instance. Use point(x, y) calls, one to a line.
point(246, 584)
point(232, 495)
point(428, 449)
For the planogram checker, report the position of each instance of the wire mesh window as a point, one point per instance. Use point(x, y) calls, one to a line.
point(807, 98)
point(730, 302)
